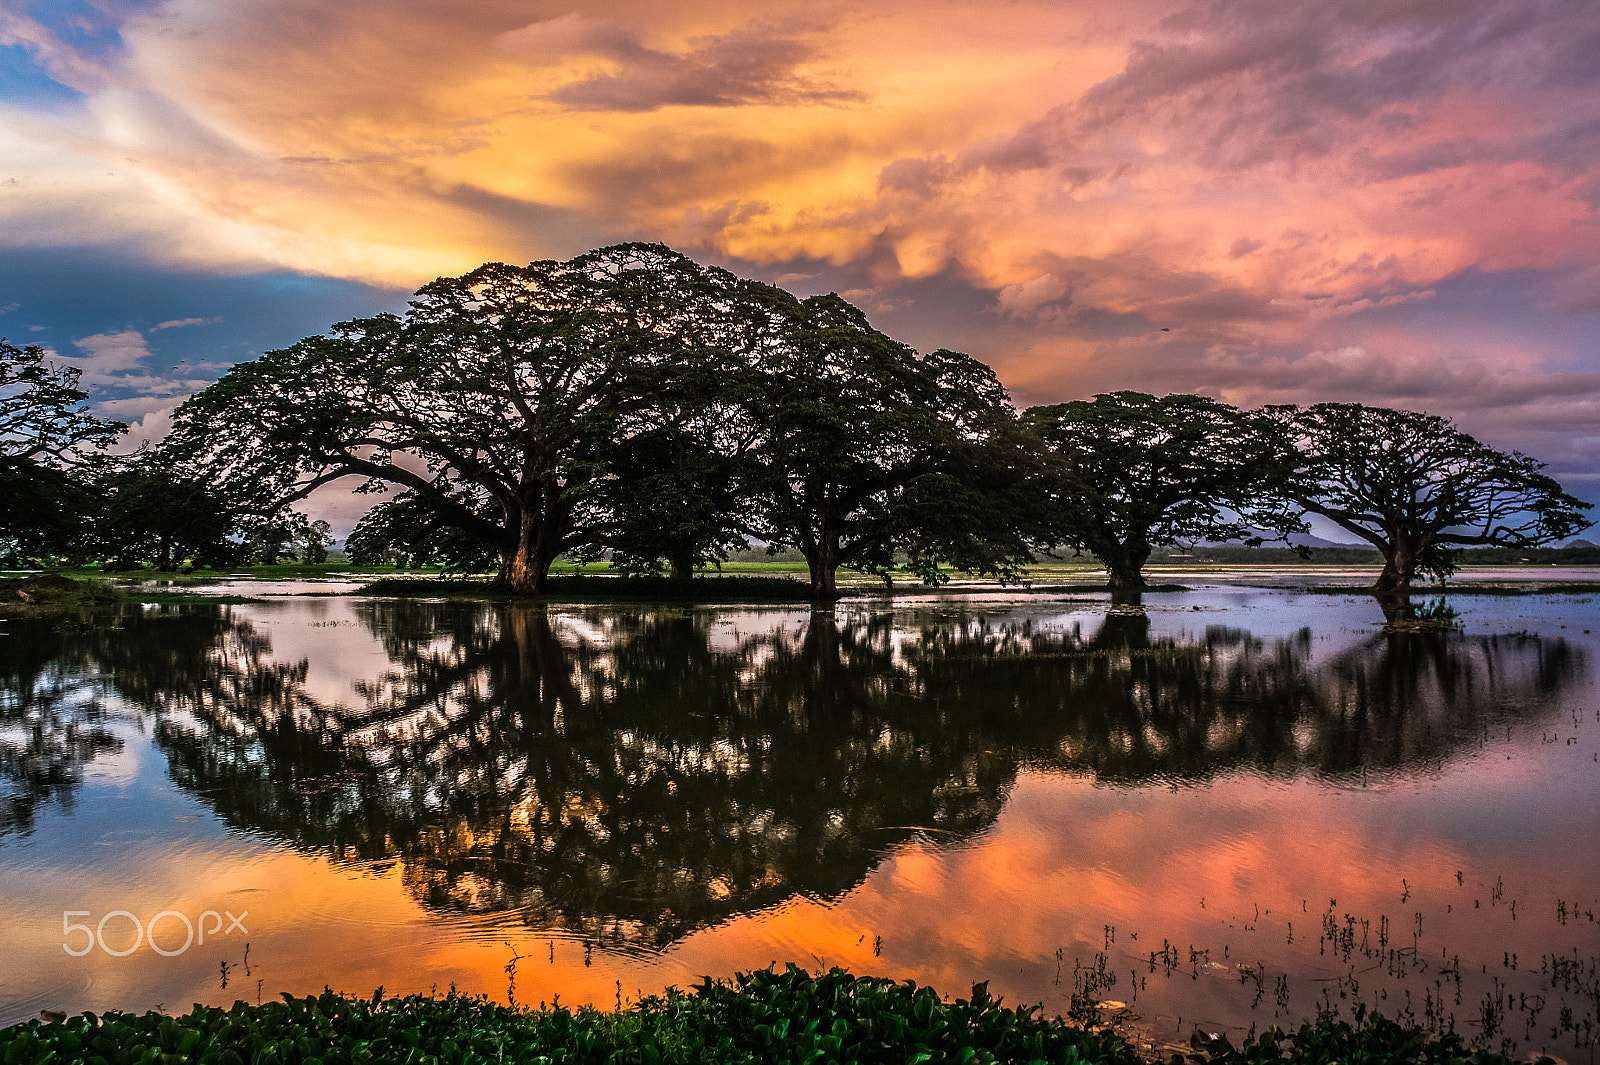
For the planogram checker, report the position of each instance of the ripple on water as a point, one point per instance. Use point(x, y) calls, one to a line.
point(50, 996)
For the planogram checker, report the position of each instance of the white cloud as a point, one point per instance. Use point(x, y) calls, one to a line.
point(181, 323)
point(109, 358)
point(149, 419)
point(117, 361)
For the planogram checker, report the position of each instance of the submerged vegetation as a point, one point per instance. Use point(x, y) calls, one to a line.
point(764, 1016)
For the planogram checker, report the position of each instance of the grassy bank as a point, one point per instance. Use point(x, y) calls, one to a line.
point(574, 589)
point(44, 590)
point(776, 1017)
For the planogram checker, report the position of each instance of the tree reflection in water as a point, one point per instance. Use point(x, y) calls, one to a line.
point(631, 776)
point(57, 671)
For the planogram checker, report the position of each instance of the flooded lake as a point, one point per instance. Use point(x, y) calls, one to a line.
point(1236, 808)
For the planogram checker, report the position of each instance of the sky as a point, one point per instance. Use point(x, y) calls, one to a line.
point(1394, 202)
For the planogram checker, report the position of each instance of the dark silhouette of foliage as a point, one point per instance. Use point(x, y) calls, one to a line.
point(1133, 471)
point(49, 444)
point(410, 531)
point(494, 394)
point(1416, 487)
point(154, 515)
point(869, 447)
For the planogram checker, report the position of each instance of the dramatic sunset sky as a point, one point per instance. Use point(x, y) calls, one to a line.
point(1390, 201)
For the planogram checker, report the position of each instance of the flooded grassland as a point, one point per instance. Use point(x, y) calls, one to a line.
point(1235, 808)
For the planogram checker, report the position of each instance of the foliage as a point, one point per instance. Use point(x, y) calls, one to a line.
point(868, 447)
point(1416, 487)
point(793, 1016)
point(286, 538)
point(493, 394)
point(328, 1028)
point(677, 489)
point(1134, 471)
point(48, 444)
point(410, 531)
point(43, 511)
point(628, 401)
point(154, 515)
point(44, 416)
point(760, 1017)
point(1372, 1039)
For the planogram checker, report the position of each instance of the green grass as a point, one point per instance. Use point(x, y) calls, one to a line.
point(283, 571)
point(760, 1017)
point(593, 589)
point(46, 590)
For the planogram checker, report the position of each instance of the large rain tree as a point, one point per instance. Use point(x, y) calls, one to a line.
point(1416, 487)
point(1133, 471)
point(873, 455)
point(679, 488)
point(50, 446)
point(490, 403)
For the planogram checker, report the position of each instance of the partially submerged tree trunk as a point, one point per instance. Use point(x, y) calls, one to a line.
point(1124, 564)
point(1400, 556)
point(822, 564)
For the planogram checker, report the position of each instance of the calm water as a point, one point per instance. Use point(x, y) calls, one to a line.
point(1240, 807)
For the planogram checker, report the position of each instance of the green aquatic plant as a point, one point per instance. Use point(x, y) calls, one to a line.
point(781, 1017)
point(1369, 1038)
point(766, 1016)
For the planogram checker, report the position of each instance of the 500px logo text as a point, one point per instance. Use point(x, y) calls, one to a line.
point(170, 921)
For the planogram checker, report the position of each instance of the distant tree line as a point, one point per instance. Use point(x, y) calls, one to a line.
point(633, 404)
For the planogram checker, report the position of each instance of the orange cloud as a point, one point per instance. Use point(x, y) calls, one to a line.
point(1252, 177)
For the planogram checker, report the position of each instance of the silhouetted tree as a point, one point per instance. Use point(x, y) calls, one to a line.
point(868, 448)
point(49, 444)
point(152, 514)
point(1416, 487)
point(492, 395)
point(1134, 470)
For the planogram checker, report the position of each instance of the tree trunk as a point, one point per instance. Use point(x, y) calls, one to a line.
point(526, 569)
point(1399, 566)
point(823, 564)
point(680, 567)
point(1125, 567)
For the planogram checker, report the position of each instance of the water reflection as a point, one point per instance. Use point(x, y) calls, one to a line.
point(52, 724)
point(631, 776)
point(612, 775)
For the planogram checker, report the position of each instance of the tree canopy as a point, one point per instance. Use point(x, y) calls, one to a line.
point(1416, 487)
point(868, 447)
point(628, 400)
point(489, 400)
point(49, 441)
point(634, 404)
point(1132, 470)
